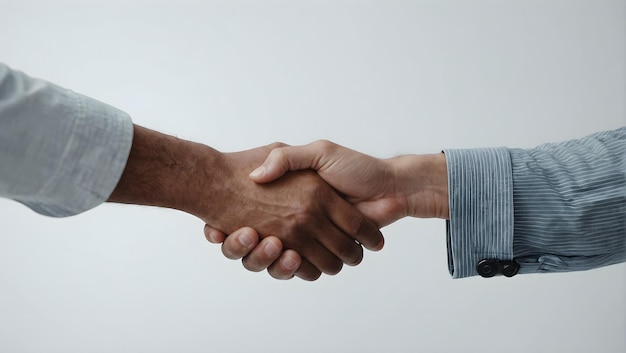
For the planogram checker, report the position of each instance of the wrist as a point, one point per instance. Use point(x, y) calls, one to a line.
point(164, 171)
point(423, 181)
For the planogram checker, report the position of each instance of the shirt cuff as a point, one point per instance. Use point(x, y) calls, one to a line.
point(95, 156)
point(480, 190)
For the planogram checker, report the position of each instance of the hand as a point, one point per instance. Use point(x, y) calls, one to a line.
point(300, 209)
point(384, 190)
point(258, 254)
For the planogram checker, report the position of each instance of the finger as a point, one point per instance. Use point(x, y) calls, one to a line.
point(327, 263)
point(213, 235)
point(284, 159)
point(287, 265)
point(263, 255)
point(355, 224)
point(340, 244)
point(309, 247)
point(240, 243)
point(307, 271)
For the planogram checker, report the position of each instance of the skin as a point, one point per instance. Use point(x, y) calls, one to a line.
point(300, 211)
point(384, 190)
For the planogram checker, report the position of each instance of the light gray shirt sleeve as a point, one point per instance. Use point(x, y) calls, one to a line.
point(61, 153)
point(557, 207)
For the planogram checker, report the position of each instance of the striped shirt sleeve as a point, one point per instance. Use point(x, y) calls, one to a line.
point(556, 207)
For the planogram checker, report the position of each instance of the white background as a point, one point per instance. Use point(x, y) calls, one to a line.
point(382, 77)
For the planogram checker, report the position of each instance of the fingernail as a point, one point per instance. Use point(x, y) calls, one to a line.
point(271, 249)
point(246, 240)
point(290, 263)
point(258, 172)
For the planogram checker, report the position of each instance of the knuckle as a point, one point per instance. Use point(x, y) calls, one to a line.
point(309, 275)
point(324, 145)
point(213, 235)
point(276, 154)
point(229, 250)
point(275, 145)
point(251, 265)
point(351, 253)
point(279, 274)
point(334, 267)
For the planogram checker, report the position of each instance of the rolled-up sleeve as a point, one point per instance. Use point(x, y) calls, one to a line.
point(61, 153)
point(556, 207)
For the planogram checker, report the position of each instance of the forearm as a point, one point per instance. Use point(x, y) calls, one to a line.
point(166, 171)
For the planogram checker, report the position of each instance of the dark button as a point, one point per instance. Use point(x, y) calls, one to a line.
point(487, 268)
point(491, 267)
point(509, 268)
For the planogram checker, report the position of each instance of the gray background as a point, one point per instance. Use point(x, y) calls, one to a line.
point(383, 77)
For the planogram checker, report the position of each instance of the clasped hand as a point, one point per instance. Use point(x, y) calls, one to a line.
point(299, 211)
point(382, 190)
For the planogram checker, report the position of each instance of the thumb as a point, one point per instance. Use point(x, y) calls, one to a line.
point(382, 212)
point(284, 159)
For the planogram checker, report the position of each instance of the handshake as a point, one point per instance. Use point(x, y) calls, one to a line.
point(295, 211)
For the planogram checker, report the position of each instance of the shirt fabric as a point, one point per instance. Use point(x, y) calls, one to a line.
point(557, 207)
point(61, 153)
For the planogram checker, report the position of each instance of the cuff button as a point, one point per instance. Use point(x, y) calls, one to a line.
point(510, 268)
point(487, 268)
